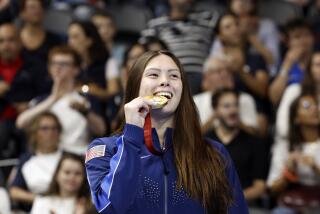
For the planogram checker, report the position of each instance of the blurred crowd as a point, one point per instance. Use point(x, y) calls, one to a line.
point(253, 67)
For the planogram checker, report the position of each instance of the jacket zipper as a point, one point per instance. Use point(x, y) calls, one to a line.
point(165, 194)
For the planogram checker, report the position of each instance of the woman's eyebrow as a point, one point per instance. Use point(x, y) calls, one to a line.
point(153, 69)
point(173, 69)
point(158, 69)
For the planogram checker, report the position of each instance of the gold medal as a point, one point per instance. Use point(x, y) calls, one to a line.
point(158, 101)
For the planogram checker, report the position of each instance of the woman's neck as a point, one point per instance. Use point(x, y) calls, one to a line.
point(44, 150)
point(310, 133)
point(66, 194)
point(85, 60)
point(161, 126)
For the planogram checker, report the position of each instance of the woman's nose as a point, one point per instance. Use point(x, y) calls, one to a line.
point(164, 80)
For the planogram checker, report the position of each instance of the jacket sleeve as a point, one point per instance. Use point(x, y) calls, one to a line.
point(113, 175)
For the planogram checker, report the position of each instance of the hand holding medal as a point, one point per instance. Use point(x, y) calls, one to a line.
point(158, 102)
point(137, 112)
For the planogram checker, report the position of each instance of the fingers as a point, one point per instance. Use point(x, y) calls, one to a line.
point(136, 111)
point(138, 105)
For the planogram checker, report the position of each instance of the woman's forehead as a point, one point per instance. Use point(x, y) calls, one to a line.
point(162, 62)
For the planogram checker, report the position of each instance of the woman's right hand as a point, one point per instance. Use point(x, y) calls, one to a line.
point(136, 110)
point(292, 161)
point(57, 90)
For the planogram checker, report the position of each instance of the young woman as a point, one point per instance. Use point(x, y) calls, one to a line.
point(68, 192)
point(93, 55)
point(295, 169)
point(179, 172)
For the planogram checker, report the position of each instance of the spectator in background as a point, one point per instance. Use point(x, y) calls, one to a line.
point(300, 42)
point(113, 109)
point(78, 116)
point(310, 85)
point(18, 83)
point(154, 44)
point(36, 41)
point(130, 56)
point(246, 152)
point(69, 190)
point(94, 56)
point(295, 168)
point(107, 30)
point(249, 69)
point(217, 76)
point(188, 35)
point(262, 33)
point(35, 169)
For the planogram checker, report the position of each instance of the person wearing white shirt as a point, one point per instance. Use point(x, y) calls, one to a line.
point(35, 170)
point(295, 166)
point(78, 116)
point(69, 190)
point(217, 76)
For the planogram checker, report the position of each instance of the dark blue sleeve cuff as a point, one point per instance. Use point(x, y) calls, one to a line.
point(134, 134)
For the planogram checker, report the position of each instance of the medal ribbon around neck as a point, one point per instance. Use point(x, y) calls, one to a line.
point(148, 136)
point(159, 103)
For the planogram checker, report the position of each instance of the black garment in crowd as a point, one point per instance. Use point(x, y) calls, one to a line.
point(38, 57)
point(248, 156)
point(94, 73)
point(23, 88)
point(255, 63)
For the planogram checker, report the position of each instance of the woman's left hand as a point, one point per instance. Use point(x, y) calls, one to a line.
point(80, 206)
point(308, 160)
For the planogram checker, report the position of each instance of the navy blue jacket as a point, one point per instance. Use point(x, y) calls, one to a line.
point(127, 179)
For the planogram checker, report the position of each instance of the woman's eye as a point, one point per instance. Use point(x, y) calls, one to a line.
point(153, 75)
point(175, 76)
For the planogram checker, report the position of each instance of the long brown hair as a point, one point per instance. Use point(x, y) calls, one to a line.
point(200, 167)
point(295, 136)
point(308, 83)
point(54, 188)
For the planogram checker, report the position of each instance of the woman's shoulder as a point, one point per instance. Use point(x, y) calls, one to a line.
point(25, 157)
point(109, 141)
point(104, 144)
point(218, 146)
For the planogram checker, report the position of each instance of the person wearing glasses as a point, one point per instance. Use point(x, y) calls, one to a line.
point(294, 175)
point(79, 117)
point(36, 167)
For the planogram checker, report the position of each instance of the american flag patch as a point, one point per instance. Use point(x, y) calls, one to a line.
point(95, 152)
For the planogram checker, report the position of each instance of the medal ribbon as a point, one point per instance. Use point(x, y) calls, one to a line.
point(148, 136)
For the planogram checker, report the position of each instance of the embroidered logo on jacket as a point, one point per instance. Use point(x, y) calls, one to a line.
point(95, 152)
